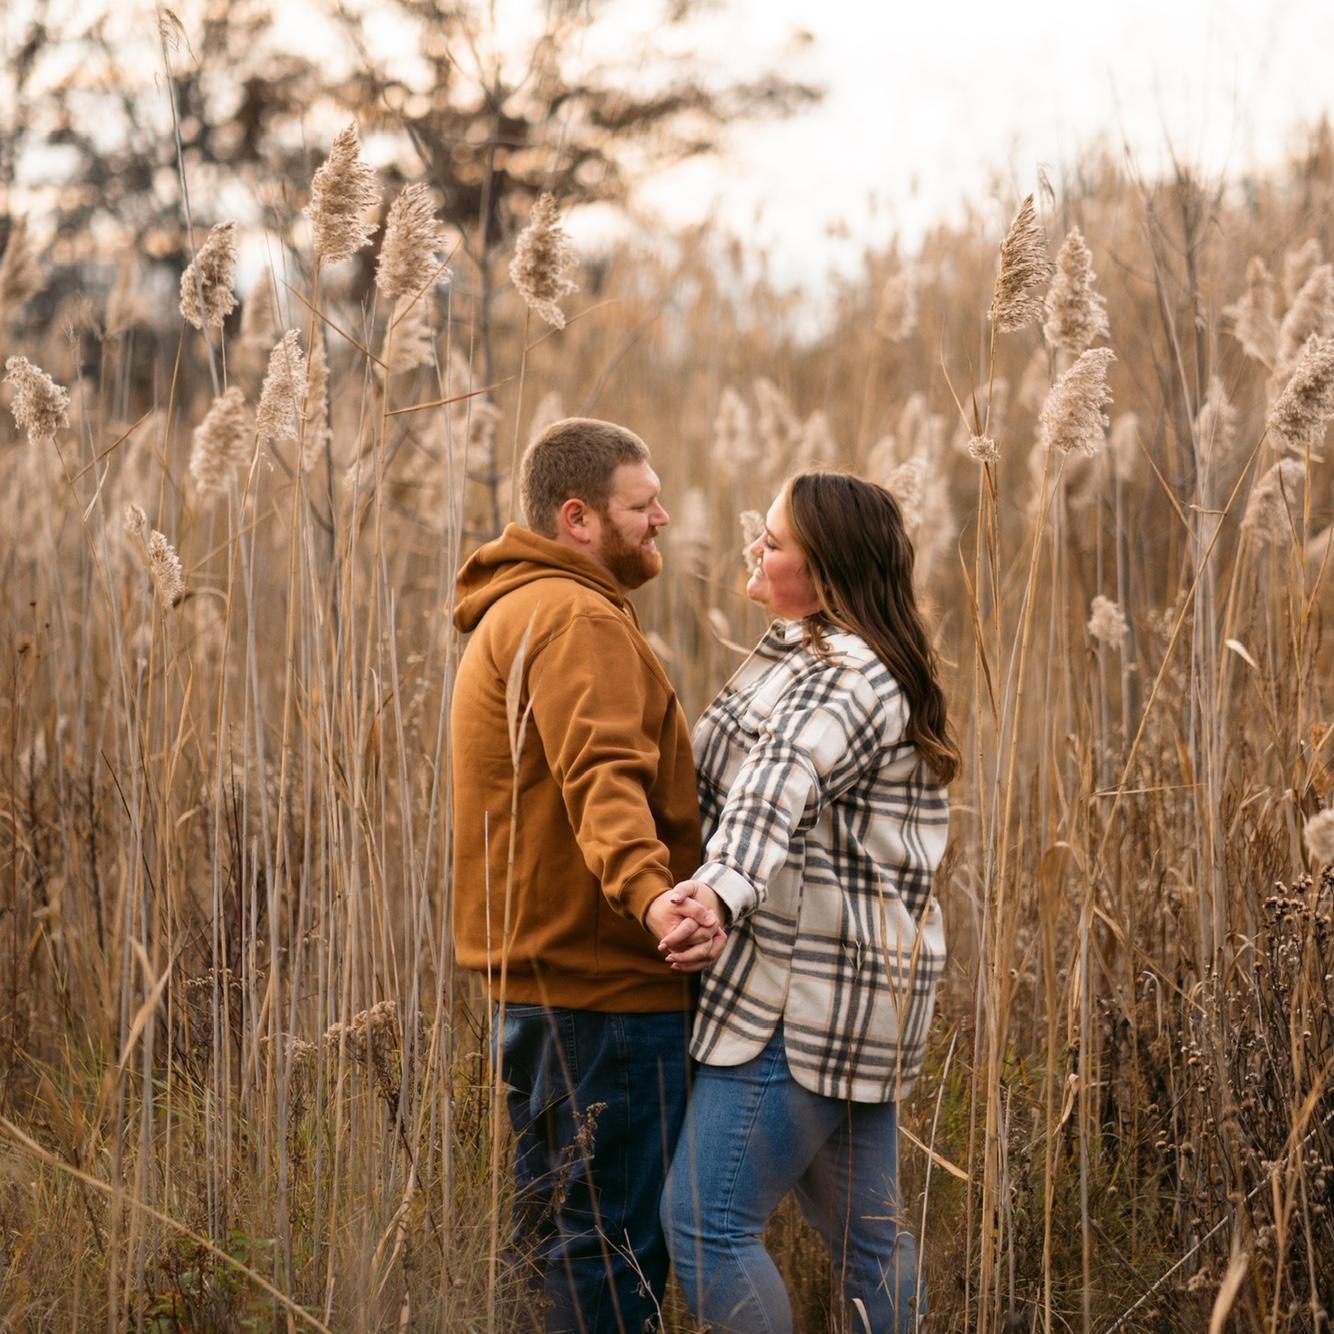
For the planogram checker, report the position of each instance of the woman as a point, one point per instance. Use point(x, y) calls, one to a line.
point(822, 772)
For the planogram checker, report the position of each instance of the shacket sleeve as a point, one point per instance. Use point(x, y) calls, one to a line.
point(593, 708)
point(822, 735)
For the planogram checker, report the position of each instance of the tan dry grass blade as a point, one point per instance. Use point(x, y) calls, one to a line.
point(32, 1147)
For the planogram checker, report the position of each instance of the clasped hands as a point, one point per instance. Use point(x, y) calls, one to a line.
point(688, 921)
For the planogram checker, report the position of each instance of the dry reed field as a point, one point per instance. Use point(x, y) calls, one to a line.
point(243, 1084)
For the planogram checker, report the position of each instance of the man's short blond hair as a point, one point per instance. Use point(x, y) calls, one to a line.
point(575, 457)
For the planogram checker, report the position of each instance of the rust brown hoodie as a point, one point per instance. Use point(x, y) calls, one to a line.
point(607, 816)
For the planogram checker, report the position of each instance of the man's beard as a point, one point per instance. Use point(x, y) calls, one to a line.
point(630, 564)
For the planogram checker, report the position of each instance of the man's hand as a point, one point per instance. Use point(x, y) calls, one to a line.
point(688, 921)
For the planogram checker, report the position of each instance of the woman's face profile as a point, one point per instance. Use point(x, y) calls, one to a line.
point(782, 580)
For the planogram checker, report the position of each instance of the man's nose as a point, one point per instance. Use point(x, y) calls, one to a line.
point(661, 517)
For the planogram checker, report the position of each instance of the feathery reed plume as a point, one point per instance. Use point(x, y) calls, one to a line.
point(1312, 312)
point(752, 525)
point(549, 409)
point(483, 419)
point(1107, 622)
point(1076, 311)
point(221, 441)
point(408, 262)
point(283, 392)
point(206, 284)
point(817, 446)
point(1024, 264)
point(778, 426)
point(20, 274)
point(412, 343)
point(259, 315)
point(1254, 323)
point(1298, 265)
point(1319, 835)
point(1073, 417)
point(317, 432)
point(541, 256)
point(1273, 502)
point(907, 484)
point(689, 533)
point(1307, 401)
point(734, 445)
point(40, 406)
point(896, 318)
point(158, 555)
point(983, 449)
point(341, 192)
point(1216, 426)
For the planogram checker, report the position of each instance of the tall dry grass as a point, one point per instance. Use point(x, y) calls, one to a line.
point(242, 1082)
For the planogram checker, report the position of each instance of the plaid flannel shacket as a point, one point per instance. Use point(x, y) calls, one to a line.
point(822, 829)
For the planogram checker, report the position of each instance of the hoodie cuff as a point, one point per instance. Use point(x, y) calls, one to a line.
point(637, 894)
point(730, 886)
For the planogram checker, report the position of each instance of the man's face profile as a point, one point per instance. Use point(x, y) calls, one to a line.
point(625, 543)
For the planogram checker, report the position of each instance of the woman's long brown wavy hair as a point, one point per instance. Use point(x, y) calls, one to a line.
point(861, 562)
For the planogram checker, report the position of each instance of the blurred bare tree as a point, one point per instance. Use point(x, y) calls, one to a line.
point(489, 123)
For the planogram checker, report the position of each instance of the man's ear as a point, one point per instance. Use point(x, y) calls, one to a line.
point(573, 519)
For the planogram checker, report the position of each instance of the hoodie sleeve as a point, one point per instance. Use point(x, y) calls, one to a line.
point(599, 713)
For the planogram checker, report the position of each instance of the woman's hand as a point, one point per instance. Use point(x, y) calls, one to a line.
point(688, 921)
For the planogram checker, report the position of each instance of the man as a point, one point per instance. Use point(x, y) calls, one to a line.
point(575, 815)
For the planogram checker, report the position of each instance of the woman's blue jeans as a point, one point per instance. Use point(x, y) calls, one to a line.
point(751, 1134)
point(595, 1101)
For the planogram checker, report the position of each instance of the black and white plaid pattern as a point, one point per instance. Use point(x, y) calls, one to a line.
point(822, 829)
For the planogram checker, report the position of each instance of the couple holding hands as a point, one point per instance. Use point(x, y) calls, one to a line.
point(711, 962)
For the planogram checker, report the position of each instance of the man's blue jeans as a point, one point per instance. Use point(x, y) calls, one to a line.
point(596, 1102)
point(752, 1133)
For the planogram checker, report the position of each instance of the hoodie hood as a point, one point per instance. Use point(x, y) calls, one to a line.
point(517, 557)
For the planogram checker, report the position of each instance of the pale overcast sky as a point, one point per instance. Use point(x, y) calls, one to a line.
point(926, 102)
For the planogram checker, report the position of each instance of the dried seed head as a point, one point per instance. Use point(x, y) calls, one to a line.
point(1319, 835)
point(1307, 401)
point(897, 317)
point(284, 392)
point(1073, 417)
point(412, 342)
point(317, 432)
point(1274, 500)
point(221, 441)
point(1298, 265)
point(1254, 324)
point(549, 410)
point(1216, 427)
point(817, 447)
point(1107, 622)
point(341, 192)
point(164, 566)
point(734, 445)
point(206, 285)
point(907, 484)
point(689, 533)
point(752, 525)
point(136, 523)
point(1311, 312)
point(158, 555)
point(1076, 312)
point(777, 425)
point(40, 406)
point(983, 449)
point(409, 262)
point(127, 303)
point(20, 275)
point(542, 254)
point(1024, 266)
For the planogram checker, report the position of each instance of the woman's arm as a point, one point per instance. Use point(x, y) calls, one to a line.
point(822, 735)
